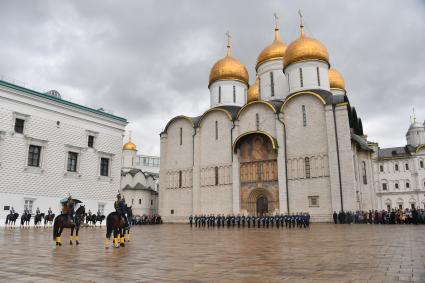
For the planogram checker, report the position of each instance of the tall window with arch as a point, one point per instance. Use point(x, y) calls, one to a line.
point(257, 121)
point(181, 136)
point(307, 167)
point(301, 77)
point(216, 130)
point(234, 94)
point(216, 175)
point(364, 172)
point(318, 76)
point(304, 115)
point(180, 179)
point(271, 84)
point(219, 94)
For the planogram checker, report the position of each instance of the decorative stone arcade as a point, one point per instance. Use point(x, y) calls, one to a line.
point(259, 190)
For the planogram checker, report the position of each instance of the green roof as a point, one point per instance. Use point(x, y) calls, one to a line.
point(61, 101)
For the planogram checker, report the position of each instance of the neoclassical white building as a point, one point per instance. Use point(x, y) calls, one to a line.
point(139, 180)
point(51, 147)
point(400, 178)
point(289, 143)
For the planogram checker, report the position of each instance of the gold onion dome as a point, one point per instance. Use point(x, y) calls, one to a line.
point(305, 48)
point(129, 145)
point(336, 80)
point(253, 92)
point(228, 68)
point(274, 51)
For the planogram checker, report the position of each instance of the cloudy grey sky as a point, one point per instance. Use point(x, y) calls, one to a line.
point(150, 60)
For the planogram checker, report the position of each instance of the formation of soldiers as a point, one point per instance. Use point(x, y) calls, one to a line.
point(300, 220)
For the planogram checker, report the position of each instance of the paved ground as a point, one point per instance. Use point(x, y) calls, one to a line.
point(177, 253)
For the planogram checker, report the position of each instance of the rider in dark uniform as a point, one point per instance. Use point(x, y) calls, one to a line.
point(37, 211)
point(191, 220)
point(120, 208)
point(70, 204)
point(12, 211)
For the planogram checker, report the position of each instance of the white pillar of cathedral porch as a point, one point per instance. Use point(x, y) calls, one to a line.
point(236, 185)
point(196, 171)
point(281, 165)
point(162, 209)
point(333, 161)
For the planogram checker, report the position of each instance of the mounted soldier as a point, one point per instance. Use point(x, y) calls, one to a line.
point(120, 207)
point(12, 211)
point(49, 212)
point(37, 211)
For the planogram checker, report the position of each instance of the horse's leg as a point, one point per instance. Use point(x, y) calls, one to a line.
point(122, 233)
point(76, 235)
point(115, 238)
point(128, 235)
point(72, 234)
point(59, 236)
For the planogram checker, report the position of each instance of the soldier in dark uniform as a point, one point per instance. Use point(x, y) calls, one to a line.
point(233, 220)
point(238, 220)
point(218, 220)
point(49, 212)
point(258, 221)
point(243, 220)
point(272, 221)
point(71, 207)
point(335, 216)
point(191, 220)
point(248, 221)
point(228, 221)
point(267, 220)
point(37, 211)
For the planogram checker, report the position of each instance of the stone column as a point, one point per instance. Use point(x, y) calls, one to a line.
point(196, 188)
point(281, 166)
point(236, 181)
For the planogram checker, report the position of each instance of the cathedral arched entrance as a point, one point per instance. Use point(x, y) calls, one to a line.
point(259, 189)
point(262, 206)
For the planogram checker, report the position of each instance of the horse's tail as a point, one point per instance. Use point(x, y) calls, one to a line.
point(55, 229)
point(7, 219)
point(109, 226)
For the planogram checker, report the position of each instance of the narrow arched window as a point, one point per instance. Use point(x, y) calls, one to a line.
point(304, 116)
point(318, 76)
point(234, 94)
point(307, 167)
point(216, 130)
point(259, 86)
point(180, 179)
point(271, 84)
point(216, 175)
point(181, 136)
point(364, 172)
point(257, 121)
point(301, 78)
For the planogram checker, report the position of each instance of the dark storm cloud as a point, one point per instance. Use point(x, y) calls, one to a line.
point(150, 60)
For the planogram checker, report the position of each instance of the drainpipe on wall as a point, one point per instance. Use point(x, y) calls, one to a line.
point(231, 139)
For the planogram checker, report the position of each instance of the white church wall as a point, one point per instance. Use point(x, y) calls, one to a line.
point(221, 93)
point(266, 116)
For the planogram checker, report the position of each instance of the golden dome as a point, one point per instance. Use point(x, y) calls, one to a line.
point(305, 48)
point(253, 92)
point(228, 68)
point(273, 51)
point(335, 79)
point(129, 145)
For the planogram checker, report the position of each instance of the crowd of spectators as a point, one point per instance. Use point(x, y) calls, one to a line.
point(146, 219)
point(393, 216)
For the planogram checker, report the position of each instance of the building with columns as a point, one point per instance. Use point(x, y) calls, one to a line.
point(289, 143)
point(400, 177)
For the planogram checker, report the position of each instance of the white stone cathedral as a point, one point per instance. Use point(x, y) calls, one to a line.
point(289, 143)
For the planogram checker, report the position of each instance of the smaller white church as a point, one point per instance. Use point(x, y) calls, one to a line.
point(139, 180)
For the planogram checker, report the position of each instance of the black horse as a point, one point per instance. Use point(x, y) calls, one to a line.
point(63, 221)
point(38, 219)
point(49, 219)
point(116, 224)
point(11, 218)
point(25, 219)
point(91, 219)
point(99, 218)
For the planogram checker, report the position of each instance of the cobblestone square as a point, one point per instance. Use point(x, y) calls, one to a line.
point(178, 253)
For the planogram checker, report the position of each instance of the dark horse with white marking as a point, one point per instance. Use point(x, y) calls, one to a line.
point(63, 221)
point(38, 219)
point(11, 218)
point(49, 218)
point(25, 219)
point(115, 223)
